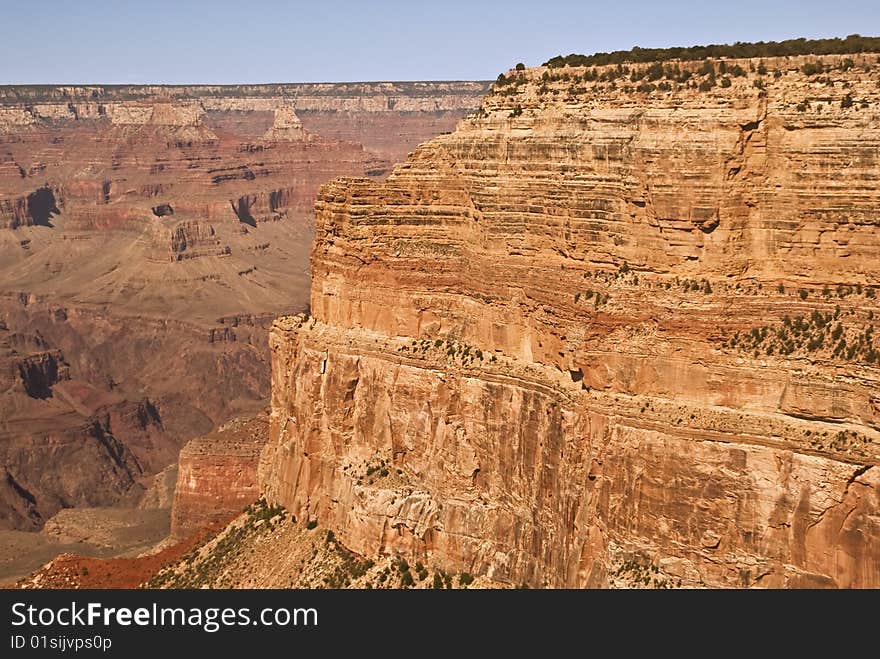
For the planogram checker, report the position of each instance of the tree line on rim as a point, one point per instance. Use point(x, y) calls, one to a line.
point(854, 43)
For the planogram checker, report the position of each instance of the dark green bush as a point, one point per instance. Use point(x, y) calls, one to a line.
point(707, 69)
point(654, 72)
point(812, 68)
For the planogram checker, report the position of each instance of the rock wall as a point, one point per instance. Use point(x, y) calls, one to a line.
point(614, 330)
point(217, 475)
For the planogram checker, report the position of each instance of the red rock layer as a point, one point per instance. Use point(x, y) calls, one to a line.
point(217, 475)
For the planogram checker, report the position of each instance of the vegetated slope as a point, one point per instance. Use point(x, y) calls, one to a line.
point(265, 547)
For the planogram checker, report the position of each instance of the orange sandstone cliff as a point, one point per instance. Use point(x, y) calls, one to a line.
point(606, 333)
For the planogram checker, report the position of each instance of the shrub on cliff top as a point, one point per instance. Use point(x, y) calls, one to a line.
point(854, 43)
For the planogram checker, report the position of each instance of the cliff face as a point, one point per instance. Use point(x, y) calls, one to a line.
point(603, 334)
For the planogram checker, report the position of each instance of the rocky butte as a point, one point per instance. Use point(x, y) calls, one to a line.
point(148, 237)
point(619, 328)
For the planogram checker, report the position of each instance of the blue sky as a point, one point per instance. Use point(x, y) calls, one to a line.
point(180, 41)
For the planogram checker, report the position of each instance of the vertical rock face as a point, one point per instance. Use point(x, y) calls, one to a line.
point(603, 335)
point(217, 475)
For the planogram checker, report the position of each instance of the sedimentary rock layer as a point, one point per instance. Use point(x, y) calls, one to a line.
point(616, 329)
point(217, 475)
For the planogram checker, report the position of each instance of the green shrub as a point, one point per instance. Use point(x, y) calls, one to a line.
point(313, 524)
point(847, 102)
point(725, 82)
point(465, 579)
point(654, 72)
point(520, 67)
point(812, 68)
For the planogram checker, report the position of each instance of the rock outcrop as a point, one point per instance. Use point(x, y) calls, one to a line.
point(618, 329)
point(217, 475)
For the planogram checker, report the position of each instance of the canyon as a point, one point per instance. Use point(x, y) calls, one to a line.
point(149, 235)
point(616, 330)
